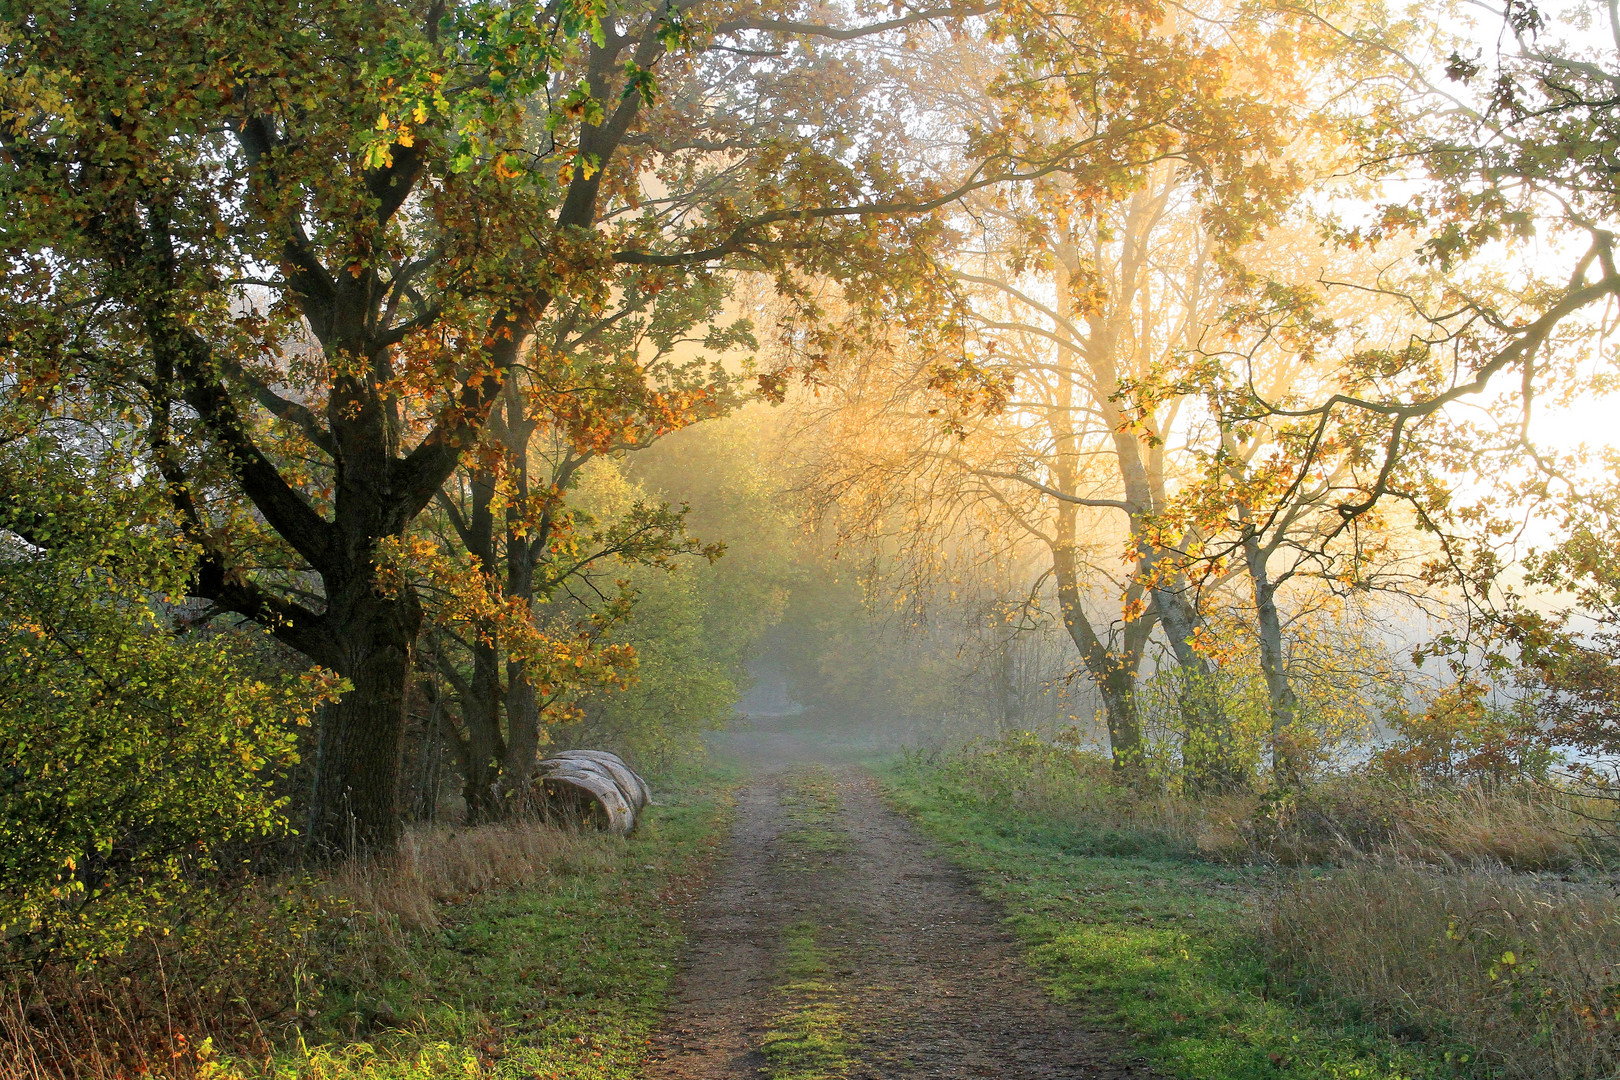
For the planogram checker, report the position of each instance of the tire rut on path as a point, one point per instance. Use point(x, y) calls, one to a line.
point(930, 982)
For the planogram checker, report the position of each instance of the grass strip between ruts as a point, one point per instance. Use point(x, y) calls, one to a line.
point(1162, 944)
point(808, 1035)
point(811, 804)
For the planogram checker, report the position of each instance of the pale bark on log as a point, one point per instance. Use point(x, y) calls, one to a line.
point(599, 777)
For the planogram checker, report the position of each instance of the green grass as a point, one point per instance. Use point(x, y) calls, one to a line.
point(809, 1035)
point(812, 804)
point(561, 978)
point(1161, 942)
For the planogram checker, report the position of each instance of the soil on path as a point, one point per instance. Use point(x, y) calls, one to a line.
point(910, 973)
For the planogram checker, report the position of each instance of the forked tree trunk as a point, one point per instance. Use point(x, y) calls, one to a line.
point(1114, 674)
point(1207, 750)
point(1117, 686)
point(498, 758)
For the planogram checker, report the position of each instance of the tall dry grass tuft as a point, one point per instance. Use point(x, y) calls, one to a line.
point(1533, 828)
point(1339, 820)
point(435, 865)
point(1525, 970)
point(1529, 827)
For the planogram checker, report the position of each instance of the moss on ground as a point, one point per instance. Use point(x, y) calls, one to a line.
point(808, 1037)
point(811, 803)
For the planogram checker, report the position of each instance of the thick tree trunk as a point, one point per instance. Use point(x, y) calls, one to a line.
point(354, 798)
point(522, 545)
point(522, 726)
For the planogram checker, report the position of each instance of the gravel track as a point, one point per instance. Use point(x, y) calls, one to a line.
point(928, 980)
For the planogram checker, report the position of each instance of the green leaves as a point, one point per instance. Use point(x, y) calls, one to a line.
point(128, 754)
point(578, 104)
point(638, 80)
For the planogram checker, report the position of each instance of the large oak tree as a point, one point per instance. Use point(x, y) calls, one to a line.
point(312, 240)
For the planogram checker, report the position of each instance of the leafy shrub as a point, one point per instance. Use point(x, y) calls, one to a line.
point(129, 755)
point(1465, 738)
point(231, 979)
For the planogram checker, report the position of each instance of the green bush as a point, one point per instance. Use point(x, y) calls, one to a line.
point(129, 755)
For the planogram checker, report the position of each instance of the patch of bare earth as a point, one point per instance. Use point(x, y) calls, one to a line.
point(921, 973)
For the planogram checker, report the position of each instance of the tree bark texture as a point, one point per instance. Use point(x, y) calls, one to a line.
point(354, 798)
point(1113, 672)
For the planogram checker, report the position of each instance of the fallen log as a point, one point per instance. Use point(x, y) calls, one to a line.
point(634, 787)
point(592, 786)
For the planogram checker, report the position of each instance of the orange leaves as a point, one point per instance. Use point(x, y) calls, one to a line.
point(972, 387)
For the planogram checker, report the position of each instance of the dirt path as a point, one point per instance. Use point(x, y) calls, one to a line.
point(835, 943)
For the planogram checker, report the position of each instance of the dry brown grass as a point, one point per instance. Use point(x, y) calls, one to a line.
point(232, 979)
point(1339, 821)
point(446, 864)
point(1452, 914)
point(1527, 828)
point(1524, 969)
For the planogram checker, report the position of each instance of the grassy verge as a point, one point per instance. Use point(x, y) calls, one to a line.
point(1157, 939)
point(559, 976)
point(810, 1034)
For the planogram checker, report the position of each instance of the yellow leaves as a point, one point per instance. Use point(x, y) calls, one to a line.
point(586, 164)
point(379, 155)
point(382, 122)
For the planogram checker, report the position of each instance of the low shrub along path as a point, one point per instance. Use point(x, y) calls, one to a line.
point(834, 942)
